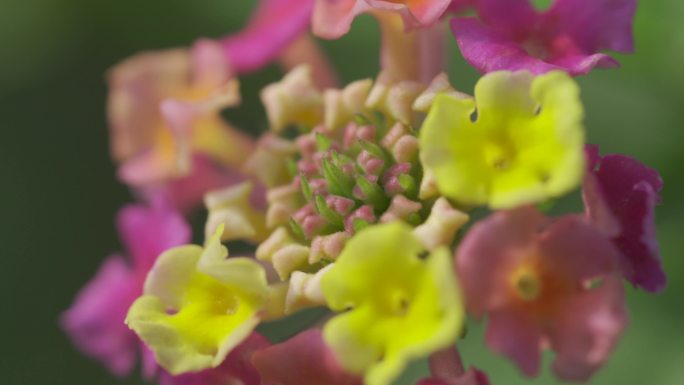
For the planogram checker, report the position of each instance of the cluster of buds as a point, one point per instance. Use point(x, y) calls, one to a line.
point(358, 200)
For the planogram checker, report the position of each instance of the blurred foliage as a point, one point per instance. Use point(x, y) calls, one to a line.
point(59, 192)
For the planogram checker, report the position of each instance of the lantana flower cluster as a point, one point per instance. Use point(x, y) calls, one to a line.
point(362, 199)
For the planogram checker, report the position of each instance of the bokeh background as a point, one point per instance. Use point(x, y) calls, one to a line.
point(59, 193)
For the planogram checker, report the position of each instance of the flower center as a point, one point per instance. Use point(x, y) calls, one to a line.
point(527, 284)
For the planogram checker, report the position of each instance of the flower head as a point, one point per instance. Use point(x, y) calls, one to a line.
point(95, 320)
point(519, 141)
point(569, 36)
point(544, 284)
point(620, 195)
point(197, 306)
point(399, 304)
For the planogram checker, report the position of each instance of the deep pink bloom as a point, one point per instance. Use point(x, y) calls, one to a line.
point(620, 195)
point(569, 36)
point(95, 321)
point(237, 368)
point(302, 360)
point(544, 284)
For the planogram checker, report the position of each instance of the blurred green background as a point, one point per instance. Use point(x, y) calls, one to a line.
point(59, 193)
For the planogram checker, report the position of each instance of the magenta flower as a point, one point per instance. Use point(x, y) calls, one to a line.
point(95, 321)
point(237, 368)
point(569, 36)
point(302, 360)
point(620, 195)
point(544, 284)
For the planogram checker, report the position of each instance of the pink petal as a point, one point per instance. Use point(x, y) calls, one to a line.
point(512, 333)
point(149, 231)
point(487, 253)
point(273, 26)
point(594, 25)
point(578, 63)
point(416, 13)
point(136, 87)
point(333, 18)
point(95, 321)
point(631, 191)
point(577, 251)
point(210, 66)
point(302, 360)
point(596, 208)
point(587, 330)
point(488, 49)
point(237, 368)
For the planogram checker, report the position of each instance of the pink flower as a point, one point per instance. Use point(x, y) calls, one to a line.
point(333, 18)
point(544, 284)
point(569, 36)
point(95, 321)
point(302, 360)
point(237, 368)
point(620, 195)
point(164, 113)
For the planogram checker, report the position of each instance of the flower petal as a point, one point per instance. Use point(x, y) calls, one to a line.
point(302, 360)
point(512, 333)
point(587, 330)
point(95, 320)
point(149, 231)
point(333, 18)
point(631, 191)
point(272, 27)
point(488, 49)
point(595, 25)
point(514, 17)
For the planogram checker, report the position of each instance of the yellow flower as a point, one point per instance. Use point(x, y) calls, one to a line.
point(400, 305)
point(519, 141)
point(198, 305)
